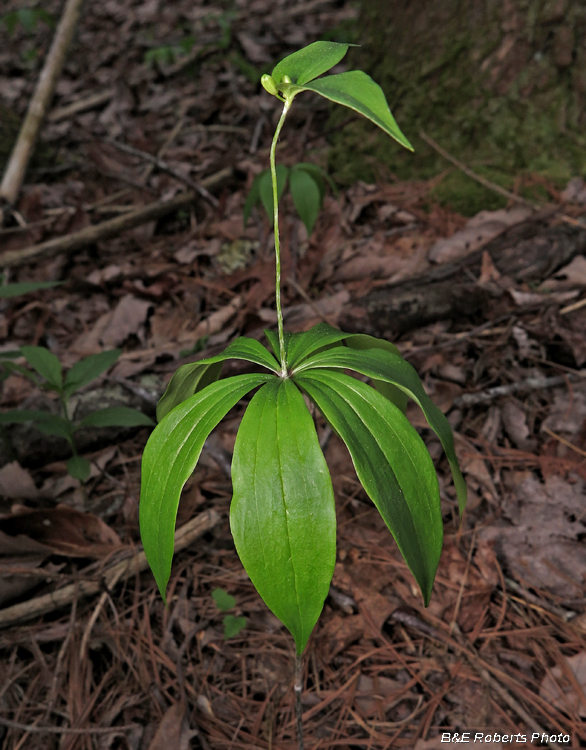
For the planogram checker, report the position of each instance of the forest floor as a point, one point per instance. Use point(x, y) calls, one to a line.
point(90, 657)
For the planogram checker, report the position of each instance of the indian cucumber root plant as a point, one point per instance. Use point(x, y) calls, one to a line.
point(282, 515)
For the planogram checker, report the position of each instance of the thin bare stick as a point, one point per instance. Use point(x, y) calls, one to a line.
point(81, 105)
point(473, 176)
point(522, 386)
point(117, 572)
point(64, 730)
point(106, 229)
point(164, 167)
point(23, 149)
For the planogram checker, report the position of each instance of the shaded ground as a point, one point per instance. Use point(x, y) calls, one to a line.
point(501, 649)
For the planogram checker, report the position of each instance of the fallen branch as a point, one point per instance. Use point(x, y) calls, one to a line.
point(525, 252)
point(116, 573)
point(23, 149)
point(107, 229)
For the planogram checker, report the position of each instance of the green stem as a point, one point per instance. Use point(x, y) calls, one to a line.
point(298, 706)
point(277, 242)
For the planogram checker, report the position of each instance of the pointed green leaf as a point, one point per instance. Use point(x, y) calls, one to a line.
point(392, 464)
point(251, 199)
point(282, 514)
point(319, 175)
point(306, 197)
point(196, 376)
point(361, 342)
point(390, 368)
point(233, 625)
point(88, 369)
point(116, 416)
point(56, 427)
point(359, 92)
point(20, 416)
point(45, 363)
point(24, 287)
point(79, 468)
point(301, 345)
point(223, 600)
point(169, 458)
point(266, 188)
point(186, 381)
point(310, 62)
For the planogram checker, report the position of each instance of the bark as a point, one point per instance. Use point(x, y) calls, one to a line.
point(527, 252)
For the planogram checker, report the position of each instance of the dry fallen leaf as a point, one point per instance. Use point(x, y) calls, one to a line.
point(480, 230)
point(173, 731)
point(538, 540)
point(16, 483)
point(62, 530)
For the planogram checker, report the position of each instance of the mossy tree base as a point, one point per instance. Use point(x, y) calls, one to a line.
point(501, 86)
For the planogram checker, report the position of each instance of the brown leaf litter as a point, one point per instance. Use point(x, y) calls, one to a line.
point(94, 659)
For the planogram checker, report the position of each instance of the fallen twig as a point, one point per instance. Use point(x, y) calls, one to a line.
point(116, 573)
point(23, 149)
point(482, 180)
point(164, 167)
point(33, 729)
point(523, 386)
point(78, 240)
point(81, 105)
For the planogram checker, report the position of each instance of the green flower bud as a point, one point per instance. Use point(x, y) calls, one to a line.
point(269, 84)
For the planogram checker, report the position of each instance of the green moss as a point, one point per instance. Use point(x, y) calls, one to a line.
point(536, 125)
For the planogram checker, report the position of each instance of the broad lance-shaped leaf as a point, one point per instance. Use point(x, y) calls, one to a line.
point(362, 341)
point(79, 468)
point(116, 416)
point(282, 516)
point(392, 464)
point(88, 369)
point(301, 345)
point(195, 376)
point(169, 458)
point(306, 197)
point(24, 287)
point(390, 368)
point(310, 62)
point(359, 92)
point(45, 363)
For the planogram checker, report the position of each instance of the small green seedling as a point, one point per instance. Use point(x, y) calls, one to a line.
point(28, 18)
point(224, 602)
point(48, 366)
point(307, 183)
point(282, 514)
point(168, 54)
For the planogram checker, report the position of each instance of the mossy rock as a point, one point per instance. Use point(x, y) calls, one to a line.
point(502, 87)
